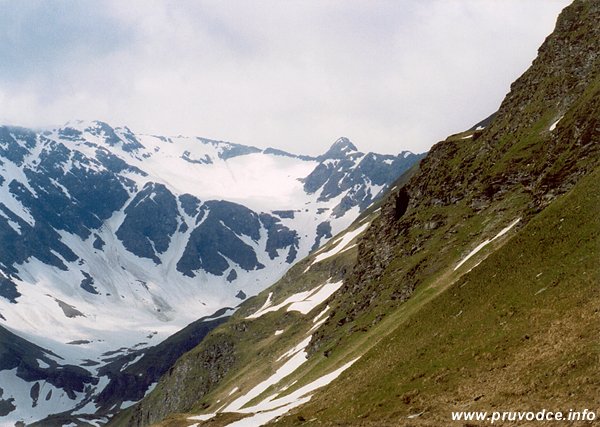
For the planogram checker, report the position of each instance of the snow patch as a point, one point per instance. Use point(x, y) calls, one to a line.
point(42, 364)
point(303, 302)
point(486, 242)
point(272, 407)
point(266, 305)
point(553, 125)
point(307, 305)
point(297, 360)
point(343, 242)
point(321, 314)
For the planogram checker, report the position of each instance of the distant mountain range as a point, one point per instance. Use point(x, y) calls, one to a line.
point(111, 241)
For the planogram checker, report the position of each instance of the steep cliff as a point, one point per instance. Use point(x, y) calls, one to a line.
point(544, 137)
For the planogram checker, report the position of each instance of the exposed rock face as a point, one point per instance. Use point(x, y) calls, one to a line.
point(207, 367)
point(217, 237)
point(544, 137)
point(279, 237)
point(151, 219)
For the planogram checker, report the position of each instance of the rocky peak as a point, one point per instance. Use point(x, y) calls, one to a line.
point(339, 149)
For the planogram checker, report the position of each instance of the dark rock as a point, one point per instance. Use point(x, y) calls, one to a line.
point(282, 153)
point(79, 342)
point(323, 231)
point(279, 237)
point(284, 214)
point(128, 142)
point(340, 149)
point(217, 236)
point(70, 134)
point(190, 204)
point(98, 242)
point(8, 289)
point(206, 160)
point(68, 309)
point(150, 221)
point(9, 146)
point(232, 275)
point(7, 406)
point(34, 393)
point(229, 150)
point(87, 284)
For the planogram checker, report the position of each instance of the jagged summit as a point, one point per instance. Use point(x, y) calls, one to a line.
point(339, 149)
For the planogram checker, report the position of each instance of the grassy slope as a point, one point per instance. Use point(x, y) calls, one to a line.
point(519, 332)
point(469, 189)
point(430, 266)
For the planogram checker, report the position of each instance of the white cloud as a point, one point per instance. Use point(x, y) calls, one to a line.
point(296, 74)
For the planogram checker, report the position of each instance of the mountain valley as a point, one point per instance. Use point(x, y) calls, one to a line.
point(120, 240)
point(186, 282)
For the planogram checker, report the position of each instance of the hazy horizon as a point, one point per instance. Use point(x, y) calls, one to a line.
point(390, 75)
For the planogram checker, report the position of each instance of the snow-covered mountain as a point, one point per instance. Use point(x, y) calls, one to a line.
point(112, 241)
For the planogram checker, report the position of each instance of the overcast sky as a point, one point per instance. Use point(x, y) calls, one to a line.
point(390, 75)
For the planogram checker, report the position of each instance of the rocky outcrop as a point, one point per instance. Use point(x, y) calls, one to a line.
point(218, 236)
point(186, 383)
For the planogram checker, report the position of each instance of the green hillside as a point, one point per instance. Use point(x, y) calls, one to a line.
point(518, 332)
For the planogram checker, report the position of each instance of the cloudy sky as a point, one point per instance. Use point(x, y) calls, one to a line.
point(293, 74)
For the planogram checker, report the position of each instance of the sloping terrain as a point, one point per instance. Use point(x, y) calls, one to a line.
point(518, 332)
point(475, 287)
point(543, 138)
